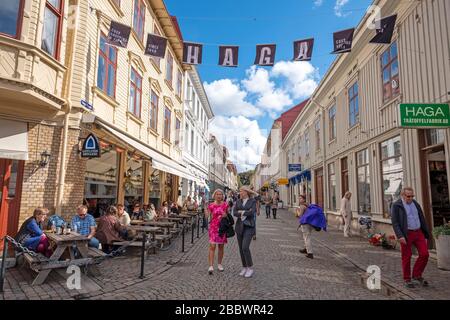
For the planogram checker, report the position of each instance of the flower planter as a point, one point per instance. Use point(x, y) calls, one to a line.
point(443, 252)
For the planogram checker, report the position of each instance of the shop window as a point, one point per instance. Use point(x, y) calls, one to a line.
point(353, 105)
point(107, 67)
point(390, 72)
point(332, 121)
point(154, 188)
point(101, 181)
point(139, 18)
point(332, 186)
point(133, 183)
point(135, 93)
point(11, 12)
point(51, 32)
point(392, 173)
point(363, 173)
point(154, 103)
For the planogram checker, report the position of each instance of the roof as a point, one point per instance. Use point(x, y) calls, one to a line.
point(288, 118)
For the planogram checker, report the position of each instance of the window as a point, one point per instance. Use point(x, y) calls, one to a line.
point(177, 131)
point(363, 173)
point(186, 137)
point(332, 120)
point(192, 142)
point(353, 104)
point(107, 67)
point(11, 13)
point(139, 18)
point(390, 72)
point(193, 100)
point(332, 186)
point(179, 83)
point(169, 69)
point(392, 173)
point(135, 93)
point(51, 32)
point(307, 144)
point(434, 136)
point(167, 120)
point(344, 176)
point(156, 60)
point(317, 129)
point(154, 103)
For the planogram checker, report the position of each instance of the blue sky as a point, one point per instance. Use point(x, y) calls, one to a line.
point(247, 99)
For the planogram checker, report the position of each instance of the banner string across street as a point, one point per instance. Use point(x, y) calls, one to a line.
point(265, 53)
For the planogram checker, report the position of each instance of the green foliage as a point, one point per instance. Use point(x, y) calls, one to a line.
point(441, 230)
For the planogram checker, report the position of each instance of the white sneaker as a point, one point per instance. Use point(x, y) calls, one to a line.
point(220, 267)
point(210, 270)
point(243, 272)
point(249, 273)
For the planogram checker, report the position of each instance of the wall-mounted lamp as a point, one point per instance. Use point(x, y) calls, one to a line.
point(45, 159)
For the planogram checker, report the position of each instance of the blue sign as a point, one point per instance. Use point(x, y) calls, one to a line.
point(91, 147)
point(295, 167)
point(87, 105)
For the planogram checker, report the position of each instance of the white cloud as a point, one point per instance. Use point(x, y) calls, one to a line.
point(318, 3)
point(232, 132)
point(227, 98)
point(301, 77)
point(338, 8)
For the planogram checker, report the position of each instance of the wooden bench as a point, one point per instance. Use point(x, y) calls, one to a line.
point(95, 253)
point(137, 244)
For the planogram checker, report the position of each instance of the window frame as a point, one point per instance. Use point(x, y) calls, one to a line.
point(330, 175)
point(317, 128)
point(332, 130)
point(169, 62)
point(107, 63)
point(141, 15)
point(179, 88)
point(167, 123)
point(19, 22)
point(388, 66)
point(177, 131)
point(366, 165)
point(136, 89)
point(154, 109)
point(60, 15)
point(352, 96)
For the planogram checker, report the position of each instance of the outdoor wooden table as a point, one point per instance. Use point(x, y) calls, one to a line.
point(161, 224)
point(64, 242)
point(146, 229)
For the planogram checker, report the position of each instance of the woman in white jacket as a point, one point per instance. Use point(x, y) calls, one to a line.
point(346, 212)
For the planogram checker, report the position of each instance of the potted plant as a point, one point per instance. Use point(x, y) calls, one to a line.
point(442, 236)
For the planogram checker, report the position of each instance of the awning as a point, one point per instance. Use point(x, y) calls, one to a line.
point(159, 161)
point(13, 140)
point(304, 175)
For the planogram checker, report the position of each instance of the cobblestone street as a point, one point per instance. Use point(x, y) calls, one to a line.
point(281, 272)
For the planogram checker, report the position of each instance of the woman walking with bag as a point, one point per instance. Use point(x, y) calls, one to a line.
point(245, 211)
point(217, 210)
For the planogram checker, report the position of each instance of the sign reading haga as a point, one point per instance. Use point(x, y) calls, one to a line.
point(417, 115)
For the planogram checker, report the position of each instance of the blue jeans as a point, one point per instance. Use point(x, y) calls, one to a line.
point(93, 243)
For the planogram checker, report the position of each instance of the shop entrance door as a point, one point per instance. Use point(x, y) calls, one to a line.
point(438, 187)
point(11, 175)
point(319, 187)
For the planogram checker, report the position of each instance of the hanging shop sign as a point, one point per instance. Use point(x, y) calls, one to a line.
point(119, 34)
point(91, 147)
point(294, 167)
point(283, 182)
point(418, 115)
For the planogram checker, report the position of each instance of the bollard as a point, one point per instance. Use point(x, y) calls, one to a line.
point(198, 226)
point(3, 266)
point(144, 240)
point(182, 239)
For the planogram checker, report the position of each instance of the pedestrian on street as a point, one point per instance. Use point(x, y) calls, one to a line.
point(306, 228)
point(274, 204)
point(245, 210)
point(346, 213)
point(216, 210)
point(409, 225)
point(267, 203)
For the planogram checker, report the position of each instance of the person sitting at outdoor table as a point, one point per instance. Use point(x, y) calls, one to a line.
point(31, 236)
point(150, 214)
point(109, 229)
point(174, 208)
point(123, 216)
point(137, 213)
point(84, 224)
point(189, 204)
point(164, 210)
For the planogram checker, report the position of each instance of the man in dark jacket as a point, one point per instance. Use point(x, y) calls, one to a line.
point(411, 229)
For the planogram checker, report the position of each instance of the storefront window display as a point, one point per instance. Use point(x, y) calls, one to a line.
point(363, 172)
point(154, 189)
point(392, 171)
point(101, 182)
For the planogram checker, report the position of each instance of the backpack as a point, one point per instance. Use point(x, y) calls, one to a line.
point(315, 217)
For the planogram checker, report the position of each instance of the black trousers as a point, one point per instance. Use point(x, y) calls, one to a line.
point(244, 240)
point(268, 211)
point(274, 212)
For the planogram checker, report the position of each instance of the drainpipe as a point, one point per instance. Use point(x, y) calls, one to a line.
point(62, 173)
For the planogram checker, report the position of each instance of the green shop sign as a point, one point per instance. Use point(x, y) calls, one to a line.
point(418, 115)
